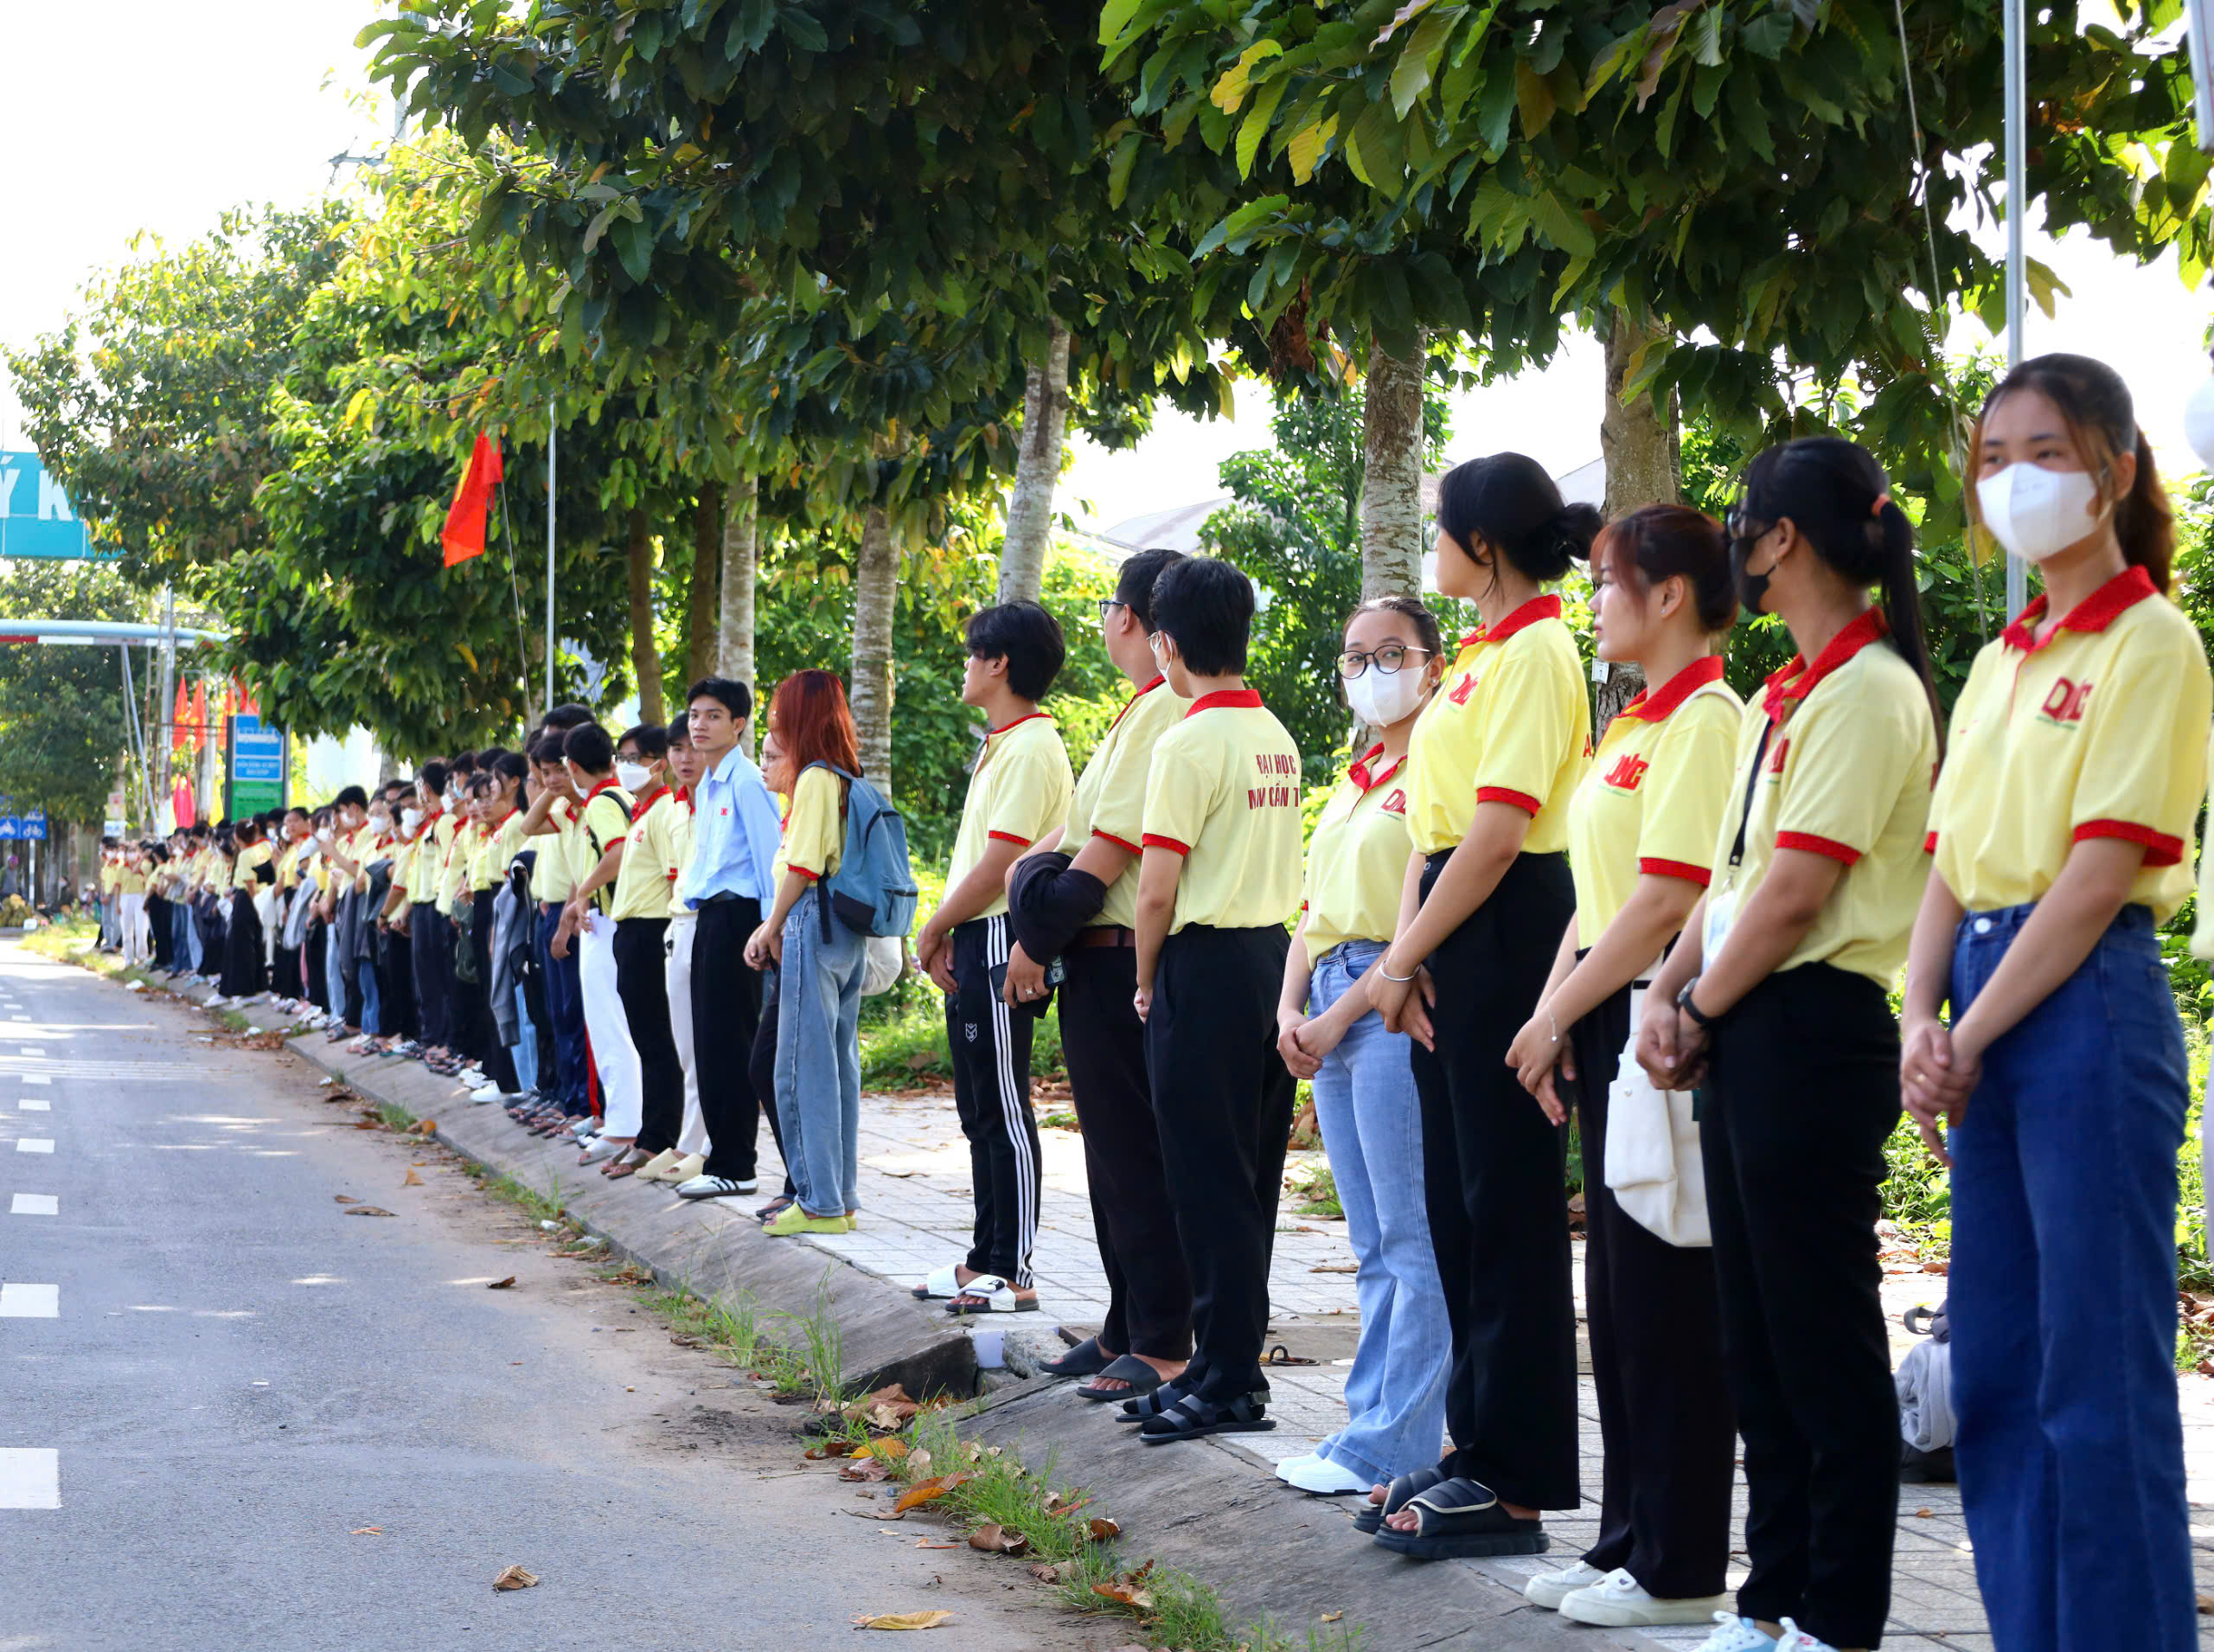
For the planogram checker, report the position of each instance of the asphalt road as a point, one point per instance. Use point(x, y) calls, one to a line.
point(234, 1419)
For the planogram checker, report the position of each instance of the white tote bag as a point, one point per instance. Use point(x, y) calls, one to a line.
point(1652, 1159)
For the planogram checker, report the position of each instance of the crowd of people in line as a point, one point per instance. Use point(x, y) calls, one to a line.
point(1684, 939)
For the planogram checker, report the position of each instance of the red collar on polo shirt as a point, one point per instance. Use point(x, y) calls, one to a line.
point(640, 804)
point(1227, 700)
point(598, 786)
point(1360, 775)
point(1797, 680)
point(1134, 699)
point(1654, 708)
point(1028, 717)
point(1522, 619)
point(2095, 613)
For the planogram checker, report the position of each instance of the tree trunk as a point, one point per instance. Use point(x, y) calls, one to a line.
point(645, 658)
point(876, 586)
point(1037, 469)
point(703, 598)
point(734, 637)
point(1391, 499)
point(1638, 440)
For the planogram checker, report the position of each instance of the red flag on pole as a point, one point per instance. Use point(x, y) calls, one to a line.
point(464, 535)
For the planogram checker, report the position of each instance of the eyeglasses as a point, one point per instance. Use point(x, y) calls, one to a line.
point(1738, 522)
point(1392, 657)
point(1107, 606)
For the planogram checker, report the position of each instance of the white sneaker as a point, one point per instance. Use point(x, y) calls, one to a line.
point(1320, 1477)
point(1619, 1601)
point(1549, 1588)
point(1736, 1633)
point(1797, 1640)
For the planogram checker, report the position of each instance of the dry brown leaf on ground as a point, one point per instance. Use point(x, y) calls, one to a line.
point(929, 1491)
point(365, 1210)
point(514, 1578)
point(1335, 1267)
point(918, 1461)
point(1128, 1589)
point(345, 1199)
point(1332, 1617)
point(1925, 1514)
point(367, 1531)
point(992, 1538)
point(866, 1469)
point(414, 1181)
point(426, 1127)
point(2205, 1605)
point(902, 1620)
point(1103, 1530)
point(368, 1123)
point(829, 1449)
point(1044, 1573)
point(884, 1450)
point(501, 1284)
point(924, 1543)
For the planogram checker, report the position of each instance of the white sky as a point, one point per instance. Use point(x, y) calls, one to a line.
point(198, 109)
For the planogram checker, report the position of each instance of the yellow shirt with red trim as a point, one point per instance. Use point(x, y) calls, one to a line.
point(1224, 793)
point(242, 874)
point(1655, 792)
point(130, 881)
point(1357, 859)
point(110, 873)
point(1109, 800)
point(1018, 792)
point(815, 826)
point(604, 821)
point(431, 839)
point(642, 884)
point(553, 876)
point(1847, 774)
point(1511, 723)
point(453, 876)
point(288, 867)
point(2095, 732)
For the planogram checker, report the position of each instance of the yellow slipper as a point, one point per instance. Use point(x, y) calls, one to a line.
point(793, 1220)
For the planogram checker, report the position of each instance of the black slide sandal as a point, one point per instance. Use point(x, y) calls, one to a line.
point(1193, 1418)
point(1460, 1519)
point(1084, 1359)
point(1142, 1378)
point(1412, 1484)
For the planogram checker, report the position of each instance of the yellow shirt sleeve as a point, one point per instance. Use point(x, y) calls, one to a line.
point(1181, 788)
point(2140, 779)
point(815, 833)
point(1692, 768)
point(1521, 758)
point(1845, 762)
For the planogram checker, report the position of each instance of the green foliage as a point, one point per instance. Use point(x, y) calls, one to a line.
point(62, 720)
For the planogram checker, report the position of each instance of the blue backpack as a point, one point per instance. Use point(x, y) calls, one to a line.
point(872, 892)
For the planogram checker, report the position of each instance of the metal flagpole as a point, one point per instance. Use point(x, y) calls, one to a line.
point(167, 707)
point(552, 435)
point(2018, 201)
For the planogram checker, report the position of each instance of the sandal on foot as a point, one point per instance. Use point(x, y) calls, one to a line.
point(943, 1283)
point(989, 1293)
point(1462, 1519)
point(1142, 1378)
point(1086, 1359)
point(1145, 1406)
point(1412, 1484)
point(1193, 1418)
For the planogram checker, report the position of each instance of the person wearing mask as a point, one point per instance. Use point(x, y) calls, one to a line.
point(395, 934)
point(689, 1157)
point(1772, 1003)
point(819, 962)
point(242, 977)
point(1146, 1336)
point(730, 886)
point(642, 875)
point(1642, 829)
point(603, 819)
point(2061, 832)
point(1019, 790)
point(1491, 767)
point(1363, 1075)
point(130, 888)
point(160, 933)
point(110, 910)
point(372, 886)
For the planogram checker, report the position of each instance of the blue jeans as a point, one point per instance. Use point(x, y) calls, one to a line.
point(2064, 1302)
point(524, 1052)
point(564, 1003)
point(1372, 1128)
point(184, 944)
point(365, 972)
point(819, 1059)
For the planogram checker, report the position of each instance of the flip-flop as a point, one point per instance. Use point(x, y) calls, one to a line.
point(1462, 1519)
point(1084, 1359)
point(989, 1293)
point(1142, 1377)
point(1412, 1484)
point(943, 1283)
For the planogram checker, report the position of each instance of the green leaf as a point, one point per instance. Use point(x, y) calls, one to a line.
point(1534, 96)
point(1563, 227)
point(634, 246)
point(1373, 149)
point(1118, 167)
point(801, 29)
point(1411, 74)
point(1307, 144)
point(1704, 36)
point(1230, 91)
point(2044, 285)
point(1255, 126)
point(1768, 34)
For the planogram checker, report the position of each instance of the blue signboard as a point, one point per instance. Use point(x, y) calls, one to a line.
point(30, 827)
point(254, 768)
point(36, 519)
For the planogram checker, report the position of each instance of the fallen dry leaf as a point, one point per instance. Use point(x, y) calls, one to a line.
point(992, 1538)
point(2205, 1605)
point(1332, 1617)
point(865, 1469)
point(884, 1450)
point(1128, 1589)
point(367, 1531)
point(829, 1449)
point(345, 1199)
point(1044, 1573)
point(501, 1284)
point(1925, 1514)
point(414, 1181)
point(426, 1127)
point(516, 1577)
point(365, 1210)
point(929, 1491)
point(367, 1124)
point(902, 1620)
point(924, 1543)
point(1336, 1267)
point(1103, 1530)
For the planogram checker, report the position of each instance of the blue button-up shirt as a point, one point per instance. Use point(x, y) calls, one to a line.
point(734, 832)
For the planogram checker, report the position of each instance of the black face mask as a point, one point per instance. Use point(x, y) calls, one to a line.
point(1752, 588)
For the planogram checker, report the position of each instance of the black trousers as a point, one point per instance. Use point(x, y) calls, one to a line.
point(157, 919)
point(350, 991)
point(244, 972)
point(429, 932)
point(1494, 1178)
point(1803, 1092)
point(1222, 1097)
point(726, 1019)
point(990, 1047)
point(1665, 1415)
point(315, 947)
point(484, 1043)
point(396, 1005)
point(761, 1066)
point(641, 981)
point(1148, 1287)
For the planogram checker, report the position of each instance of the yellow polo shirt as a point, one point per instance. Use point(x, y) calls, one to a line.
point(641, 883)
point(2097, 732)
point(1109, 800)
point(1847, 774)
point(1018, 792)
point(453, 876)
point(1224, 793)
point(814, 825)
point(1357, 859)
point(430, 858)
point(129, 880)
point(604, 821)
point(242, 876)
point(1655, 793)
point(1511, 723)
point(552, 877)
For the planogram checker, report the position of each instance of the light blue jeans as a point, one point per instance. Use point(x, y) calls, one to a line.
point(1372, 1129)
point(365, 972)
point(819, 1059)
point(524, 1051)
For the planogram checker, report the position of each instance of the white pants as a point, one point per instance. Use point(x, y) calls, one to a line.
point(265, 906)
point(621, 1085)
point(133, 920)
point(693, 1138)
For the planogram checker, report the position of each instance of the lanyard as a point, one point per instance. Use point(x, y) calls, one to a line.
point(1760, 756)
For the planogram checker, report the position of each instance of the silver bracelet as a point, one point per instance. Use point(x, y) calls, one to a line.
point(1396, 980)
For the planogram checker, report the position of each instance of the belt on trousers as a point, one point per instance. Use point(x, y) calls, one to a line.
point(1108, 935)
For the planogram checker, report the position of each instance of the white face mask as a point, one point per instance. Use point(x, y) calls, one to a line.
point(2035, 513)
point(409, 820)
point(1382, 698)
point(632, 777)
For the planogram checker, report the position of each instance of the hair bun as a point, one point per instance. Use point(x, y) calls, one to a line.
point(1578, 524)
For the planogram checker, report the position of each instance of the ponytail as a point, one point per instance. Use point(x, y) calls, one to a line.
point(2143, 521)
point(1507, 501)
point(1892, 541)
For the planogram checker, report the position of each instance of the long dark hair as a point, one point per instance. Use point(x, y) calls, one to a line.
point(1507, 501)
point(1657, 543)
point(1841, 501)
point(2095, 406)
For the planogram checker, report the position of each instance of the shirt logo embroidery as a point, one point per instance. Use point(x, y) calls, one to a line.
point(1629, 770)
point(1462, 689)
point(1782, 751)
point(1396, 804)
point(2066, 703)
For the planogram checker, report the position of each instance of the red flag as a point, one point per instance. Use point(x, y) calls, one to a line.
point(464, 536)
point(200, 712)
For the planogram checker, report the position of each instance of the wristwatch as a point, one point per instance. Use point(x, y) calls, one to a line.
point(1700, 1017)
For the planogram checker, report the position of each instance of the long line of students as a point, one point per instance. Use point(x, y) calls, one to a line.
point(1684, 940)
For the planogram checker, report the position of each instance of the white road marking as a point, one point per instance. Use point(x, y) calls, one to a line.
point(34, 1204)
point(31, 1302)
point(33, 1144)
point(36, 1104)
point(31, 1477)
point(35, 1078)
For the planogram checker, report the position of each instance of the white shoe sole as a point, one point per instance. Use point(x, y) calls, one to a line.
point(1543, 1592)
point(1583, 1606)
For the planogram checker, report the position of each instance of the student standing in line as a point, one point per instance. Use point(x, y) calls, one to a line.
point(761, 1062)
point(730, 886)
point(404, 1014)
point(1363, 1075)
point(1492, 763)
point(1773, 1003)
point(503, 840)
point(819, 964)
point(2062, 832)
point(1218, 879)
point(1019, 790)
point(689, 1156)
point(640, 912)
point(1641, 830)
point(604, 820)
point(242, 970)
point(130, 887)
point(430, 935)
point(1146, 1337)
point(157, 907)
point(452, 896)
point(286, 975)
point(551, 824)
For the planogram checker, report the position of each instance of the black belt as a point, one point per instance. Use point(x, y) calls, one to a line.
point(1110, 935)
